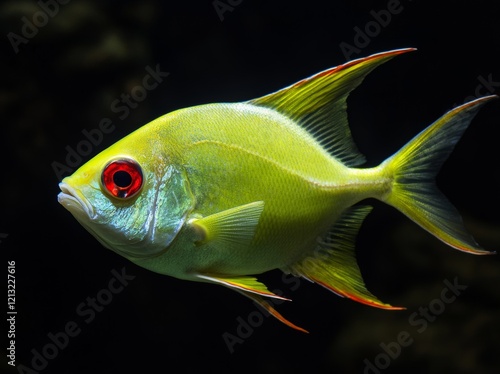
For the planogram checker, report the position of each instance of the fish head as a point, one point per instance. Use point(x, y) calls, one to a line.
point(132, 199)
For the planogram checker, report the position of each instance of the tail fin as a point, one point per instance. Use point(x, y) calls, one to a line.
point(413, 170)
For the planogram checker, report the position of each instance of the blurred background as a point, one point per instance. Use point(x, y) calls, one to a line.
point(67, 67)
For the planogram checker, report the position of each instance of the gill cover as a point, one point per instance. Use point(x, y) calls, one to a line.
point(153, 218)
point(134, 211)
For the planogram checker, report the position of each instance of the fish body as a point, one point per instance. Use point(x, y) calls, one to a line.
point(256, 164)
point(223, 192)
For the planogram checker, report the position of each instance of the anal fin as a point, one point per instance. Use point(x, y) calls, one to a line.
point(333, 265)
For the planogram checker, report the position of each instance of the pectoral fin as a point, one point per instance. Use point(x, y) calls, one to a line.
point(254, 290)
point(235, 226)
point(334, 265)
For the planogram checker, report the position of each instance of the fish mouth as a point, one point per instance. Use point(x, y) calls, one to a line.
point(75, 202)
point(79, 206)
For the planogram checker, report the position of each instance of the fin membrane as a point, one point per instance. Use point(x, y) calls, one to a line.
point(318, 104)
point(333, 264)
point(413, 170)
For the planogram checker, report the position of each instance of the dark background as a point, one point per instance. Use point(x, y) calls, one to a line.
point(64, 79)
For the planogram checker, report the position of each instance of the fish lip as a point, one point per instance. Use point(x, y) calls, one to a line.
point(71, 199)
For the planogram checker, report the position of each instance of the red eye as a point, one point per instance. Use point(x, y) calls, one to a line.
point(122, 178)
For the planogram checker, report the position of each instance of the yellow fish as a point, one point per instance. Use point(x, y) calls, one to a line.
point(223, 192)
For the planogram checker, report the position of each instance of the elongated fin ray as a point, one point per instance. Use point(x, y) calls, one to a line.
point(318, 104)
point(333, 265)
point(414, 168)
point(254, 290)
point(269, 308)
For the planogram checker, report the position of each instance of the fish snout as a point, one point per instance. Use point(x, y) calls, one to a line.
point(75, 202)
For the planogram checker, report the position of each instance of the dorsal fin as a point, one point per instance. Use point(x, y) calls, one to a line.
point(318, 104)
point(333, 264)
